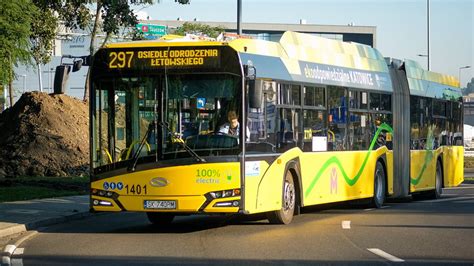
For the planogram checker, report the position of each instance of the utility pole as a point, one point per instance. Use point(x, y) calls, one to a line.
point(428, 30)
point(239, 17)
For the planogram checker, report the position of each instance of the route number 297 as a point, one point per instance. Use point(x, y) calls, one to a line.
point(120, 59)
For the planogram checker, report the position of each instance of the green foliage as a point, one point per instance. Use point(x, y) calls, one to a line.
point(24, 188)
point(469, 88)
point(15, 29)
point(43, 26)
point(136, 35)
point(199, 29)
point(75, 14)
point(116, 14)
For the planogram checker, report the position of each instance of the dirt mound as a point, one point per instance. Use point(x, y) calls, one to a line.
point(44, 135)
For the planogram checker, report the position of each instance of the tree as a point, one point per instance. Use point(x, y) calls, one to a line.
point(114, 14)
point(43, 32)
point(199, 29)
point(15, 30)
point(110, 16)
point(469, 87)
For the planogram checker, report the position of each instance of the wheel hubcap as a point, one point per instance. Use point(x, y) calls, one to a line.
point(289, 197)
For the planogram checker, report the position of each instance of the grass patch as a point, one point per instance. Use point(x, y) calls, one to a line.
point(26, 188)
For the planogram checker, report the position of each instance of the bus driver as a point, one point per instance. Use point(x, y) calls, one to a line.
point(232, 128)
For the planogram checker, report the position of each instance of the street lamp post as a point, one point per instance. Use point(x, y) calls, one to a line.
point(428, 57)
point(428, 32)
point(464, 67)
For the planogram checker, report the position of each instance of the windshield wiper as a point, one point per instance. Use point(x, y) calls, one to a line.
point(185, 146)
point(131, 168)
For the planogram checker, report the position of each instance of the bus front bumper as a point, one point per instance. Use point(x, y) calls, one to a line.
point(171, 204)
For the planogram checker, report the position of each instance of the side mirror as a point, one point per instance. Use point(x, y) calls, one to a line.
point(255, 94)
point(250, 72)
point(76, 65)
point(60, 78)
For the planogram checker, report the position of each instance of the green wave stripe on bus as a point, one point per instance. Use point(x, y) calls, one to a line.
point(336, 161)
point(428, 157)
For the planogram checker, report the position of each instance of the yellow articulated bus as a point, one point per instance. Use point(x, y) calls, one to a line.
point(250, 126)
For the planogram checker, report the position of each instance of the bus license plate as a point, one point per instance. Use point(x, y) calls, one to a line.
point(160, 204)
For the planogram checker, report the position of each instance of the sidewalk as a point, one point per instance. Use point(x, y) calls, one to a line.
point(20, 216)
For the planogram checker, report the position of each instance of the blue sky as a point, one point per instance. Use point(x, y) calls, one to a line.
point(401, 24)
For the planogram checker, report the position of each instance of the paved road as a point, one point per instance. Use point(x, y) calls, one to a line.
point(424, 232)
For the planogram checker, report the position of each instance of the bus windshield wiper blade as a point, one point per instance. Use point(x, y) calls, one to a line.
point(131, 168)
point(185, 146)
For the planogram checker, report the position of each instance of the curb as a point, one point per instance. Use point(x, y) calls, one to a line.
point(10, 248)
point(41, 223)
point(13, 230)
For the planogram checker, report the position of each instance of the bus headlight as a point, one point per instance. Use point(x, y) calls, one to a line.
point(225, 193)
point(103, 193)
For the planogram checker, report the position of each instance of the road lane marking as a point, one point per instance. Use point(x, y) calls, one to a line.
point(385, 255)
point(18, 251)
point(5, 260)
point(7, 252)
point(9, 249)
point(346, 224)
point(370, 209)
point(17, 262)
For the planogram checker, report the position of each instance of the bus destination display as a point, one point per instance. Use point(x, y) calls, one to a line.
point(173, 58)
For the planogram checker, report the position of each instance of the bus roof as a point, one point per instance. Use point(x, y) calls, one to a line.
point(428, 83)
point(308, 58)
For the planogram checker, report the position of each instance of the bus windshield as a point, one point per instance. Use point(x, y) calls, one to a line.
point(162, 117)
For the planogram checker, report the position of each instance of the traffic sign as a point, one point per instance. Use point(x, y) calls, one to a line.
point(152, 29)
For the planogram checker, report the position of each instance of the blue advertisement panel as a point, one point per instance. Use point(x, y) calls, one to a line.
point(341, 76)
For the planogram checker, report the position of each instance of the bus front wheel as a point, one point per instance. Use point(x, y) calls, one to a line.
point(157, 218)
point(379, 186)
point(285, 214)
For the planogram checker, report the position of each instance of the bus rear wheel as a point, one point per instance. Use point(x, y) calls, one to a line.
point(157, 218)
point(436, 194)
point(379, 186)
point(286, 213)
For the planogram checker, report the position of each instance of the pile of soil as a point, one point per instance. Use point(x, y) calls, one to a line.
point(44, 135)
